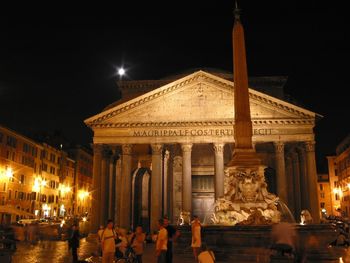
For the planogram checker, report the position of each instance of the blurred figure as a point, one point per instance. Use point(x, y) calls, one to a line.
point(99, 233)
point(123, 240)
point(173, 233)
point(74, 241)
point(162, 242)
point(283, 237)
point(196, 236)
point(137, 243)
point(206, 255)
point(108, 237)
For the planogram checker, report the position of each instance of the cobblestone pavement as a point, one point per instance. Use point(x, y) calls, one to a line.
point(57, 252)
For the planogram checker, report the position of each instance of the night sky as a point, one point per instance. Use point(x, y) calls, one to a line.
point(57, 68)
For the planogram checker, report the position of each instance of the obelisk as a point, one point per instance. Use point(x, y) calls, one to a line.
point(244, 154)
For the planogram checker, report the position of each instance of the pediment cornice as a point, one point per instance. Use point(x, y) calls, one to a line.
point(101, 119)
point(284, 122)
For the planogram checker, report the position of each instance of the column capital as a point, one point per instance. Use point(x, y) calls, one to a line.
point(186, 147)
point(279, 146)
point(310, 146)
point(127, 149)
point(97, 148)
point(157, 148)
point(218, 147)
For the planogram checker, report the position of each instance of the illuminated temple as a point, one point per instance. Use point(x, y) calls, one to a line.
point(163, 147)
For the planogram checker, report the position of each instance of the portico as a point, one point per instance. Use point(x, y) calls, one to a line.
point(165, 151)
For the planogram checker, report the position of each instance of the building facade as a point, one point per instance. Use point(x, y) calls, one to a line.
point(83, 180)
point(325, 195)
point(36, 179)
point(339, 175)
point(165, 144)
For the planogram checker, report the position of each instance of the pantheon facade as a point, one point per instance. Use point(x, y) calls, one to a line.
point(162, 148)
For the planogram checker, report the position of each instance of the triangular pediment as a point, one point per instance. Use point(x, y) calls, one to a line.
point(197, 97)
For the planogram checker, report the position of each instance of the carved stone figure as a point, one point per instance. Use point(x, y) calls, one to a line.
point(246, 200)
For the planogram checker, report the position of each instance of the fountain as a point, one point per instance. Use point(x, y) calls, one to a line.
point(246, 200)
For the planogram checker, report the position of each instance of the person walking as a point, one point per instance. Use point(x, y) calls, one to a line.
point(196, 236)
point(108, 237)
point(173, 233)
point(138, 242)
point(74, 242)
point(162, 242)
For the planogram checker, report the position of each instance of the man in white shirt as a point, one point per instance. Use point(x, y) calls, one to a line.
point(162, 242)
point(108, 237)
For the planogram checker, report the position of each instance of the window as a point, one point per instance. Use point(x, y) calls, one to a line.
point(10, 193)
point(52, 170)
point(322, 195)
point(336, 197)
point(52, 157)
point(321, 187)
point(322, 205)
point(335, 184)
point(21, 178)
point(44, 167)
point(11, 141)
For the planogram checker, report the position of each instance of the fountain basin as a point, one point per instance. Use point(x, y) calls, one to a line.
point(242, 243)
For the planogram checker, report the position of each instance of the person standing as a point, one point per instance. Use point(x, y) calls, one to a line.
point(162, 242)
point(74, 242)
point(138, 242)
point(99, 233)
point(196, 236)
point(173, 233)
point(108, 237)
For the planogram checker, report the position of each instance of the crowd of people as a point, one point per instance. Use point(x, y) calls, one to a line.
point(116, 242)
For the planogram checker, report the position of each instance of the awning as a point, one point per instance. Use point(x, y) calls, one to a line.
point(6, 209)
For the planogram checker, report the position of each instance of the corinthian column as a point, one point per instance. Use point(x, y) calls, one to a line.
point(156, 185)
point(96, 186)
point(125, 202)
point(281, 172)
point(186, 177)
point(312, 180)
point(219, 169)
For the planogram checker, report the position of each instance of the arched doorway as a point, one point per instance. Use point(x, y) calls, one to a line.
point(141, 185)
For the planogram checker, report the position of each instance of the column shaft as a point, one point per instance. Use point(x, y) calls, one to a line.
point(219, 169)
point(156, 185)
point(297, 190)
point(312, 180)
point(125, 202)
point(111, 192)
point(186, 177)
point(118, 191)
point(96, 188)
point(281, 172)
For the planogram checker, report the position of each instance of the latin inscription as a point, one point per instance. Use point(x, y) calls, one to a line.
point(194, 132)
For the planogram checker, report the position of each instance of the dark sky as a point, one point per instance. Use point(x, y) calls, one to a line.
point(57, 67)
